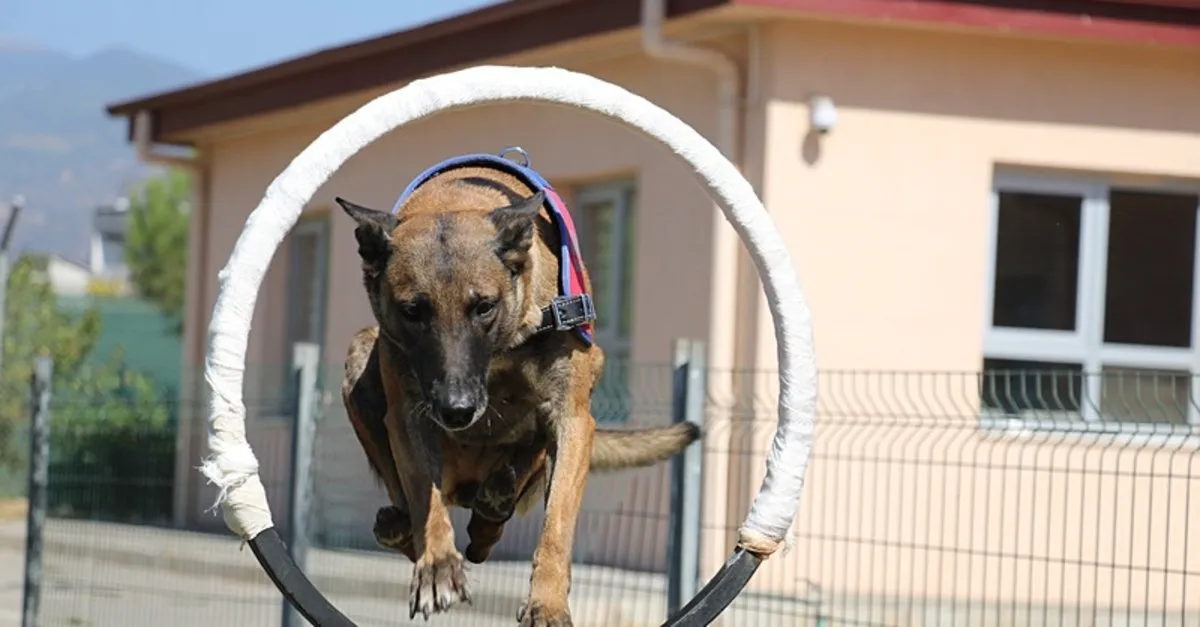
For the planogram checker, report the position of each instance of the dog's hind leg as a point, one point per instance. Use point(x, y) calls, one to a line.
point(393, 530)
point(366, 406)
point(496, 500)
point(484, 534)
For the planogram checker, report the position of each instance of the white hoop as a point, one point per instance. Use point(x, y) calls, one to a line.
point(232, 465)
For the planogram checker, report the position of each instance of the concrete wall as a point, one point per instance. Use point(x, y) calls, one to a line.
point(886, 218)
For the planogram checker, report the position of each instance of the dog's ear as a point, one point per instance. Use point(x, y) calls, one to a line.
point(514, 230)
point(373, 232)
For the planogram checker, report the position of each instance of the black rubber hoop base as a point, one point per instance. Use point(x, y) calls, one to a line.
point(719, 592)
point(273, 556)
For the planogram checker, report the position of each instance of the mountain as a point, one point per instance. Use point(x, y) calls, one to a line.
point(58, 147)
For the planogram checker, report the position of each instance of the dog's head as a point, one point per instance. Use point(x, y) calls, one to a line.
point(451, 288)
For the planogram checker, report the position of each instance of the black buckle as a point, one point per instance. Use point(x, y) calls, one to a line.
point(568, 315)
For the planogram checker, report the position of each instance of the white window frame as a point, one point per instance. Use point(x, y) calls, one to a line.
point(316, 226)
point(622, 194)
point(1085, 345)
point(619, 193)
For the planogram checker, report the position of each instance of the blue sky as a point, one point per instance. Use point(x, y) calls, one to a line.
point(214, 37)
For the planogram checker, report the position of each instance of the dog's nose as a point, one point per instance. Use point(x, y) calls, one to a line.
point(458, 409)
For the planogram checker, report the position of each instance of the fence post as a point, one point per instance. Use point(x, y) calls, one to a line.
point(39, 476)
point(683, 544)
point(305, 362)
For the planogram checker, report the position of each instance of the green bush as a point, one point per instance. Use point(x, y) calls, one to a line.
point(112, 443)
point(112, 447)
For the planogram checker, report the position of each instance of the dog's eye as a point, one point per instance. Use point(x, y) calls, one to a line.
point(485, 308)
point(414, 312)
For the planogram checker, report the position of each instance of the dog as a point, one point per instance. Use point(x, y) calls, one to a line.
point(473, 388)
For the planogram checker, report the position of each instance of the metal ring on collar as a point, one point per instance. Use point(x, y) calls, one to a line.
point(520, 151)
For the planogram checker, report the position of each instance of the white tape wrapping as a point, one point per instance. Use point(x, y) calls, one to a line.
point(232, 465)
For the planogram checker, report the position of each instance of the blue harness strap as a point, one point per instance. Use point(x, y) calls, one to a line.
point(573, 308)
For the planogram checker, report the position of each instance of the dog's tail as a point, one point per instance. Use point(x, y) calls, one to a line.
point(618, 449)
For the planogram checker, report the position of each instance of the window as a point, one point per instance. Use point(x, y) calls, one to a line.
point(113, 253)
point(605, 226)
point(1091, 310)
point(307, 250)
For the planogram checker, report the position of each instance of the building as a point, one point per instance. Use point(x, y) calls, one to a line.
point(66, 277)
point(104, 271)
point(107, 254)
point(1003, 185)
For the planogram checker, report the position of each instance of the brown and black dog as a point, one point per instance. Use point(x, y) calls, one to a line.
point(461, 396)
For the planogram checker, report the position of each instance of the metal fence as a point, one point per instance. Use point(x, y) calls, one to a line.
point(931, 499)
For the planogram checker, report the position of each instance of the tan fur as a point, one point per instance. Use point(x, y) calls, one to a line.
point(464, 238)
point(622, 449)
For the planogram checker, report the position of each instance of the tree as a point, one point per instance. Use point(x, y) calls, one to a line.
point(156, 241)
point(110, 427)
point(35, 326)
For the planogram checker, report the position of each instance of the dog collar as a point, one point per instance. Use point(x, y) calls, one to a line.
point(572, 309)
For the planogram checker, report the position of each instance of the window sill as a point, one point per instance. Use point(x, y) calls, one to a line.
point(1069, 426)
point(272, 417)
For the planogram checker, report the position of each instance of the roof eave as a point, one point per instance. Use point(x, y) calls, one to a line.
point(1148, 22)
point(522, 25)
point(495, 31)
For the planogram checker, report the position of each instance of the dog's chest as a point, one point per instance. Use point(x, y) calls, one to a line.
point(520, 403)
point(501, 426)
point(509, 420)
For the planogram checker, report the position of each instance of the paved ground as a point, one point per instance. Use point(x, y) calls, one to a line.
point(11, 564)
point(106, 575)
point(101, 574)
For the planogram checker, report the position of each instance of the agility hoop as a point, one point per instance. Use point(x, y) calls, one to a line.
point(232, 465)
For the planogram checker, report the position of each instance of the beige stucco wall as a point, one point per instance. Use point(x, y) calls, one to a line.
point(886, 220)
point(670, 291)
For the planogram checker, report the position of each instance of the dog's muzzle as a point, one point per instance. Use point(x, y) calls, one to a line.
point(457, 407)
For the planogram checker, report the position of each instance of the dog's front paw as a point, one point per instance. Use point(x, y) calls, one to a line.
point(437, 584)
point(540, 615)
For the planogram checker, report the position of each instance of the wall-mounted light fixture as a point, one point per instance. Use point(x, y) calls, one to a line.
point(822, 113)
